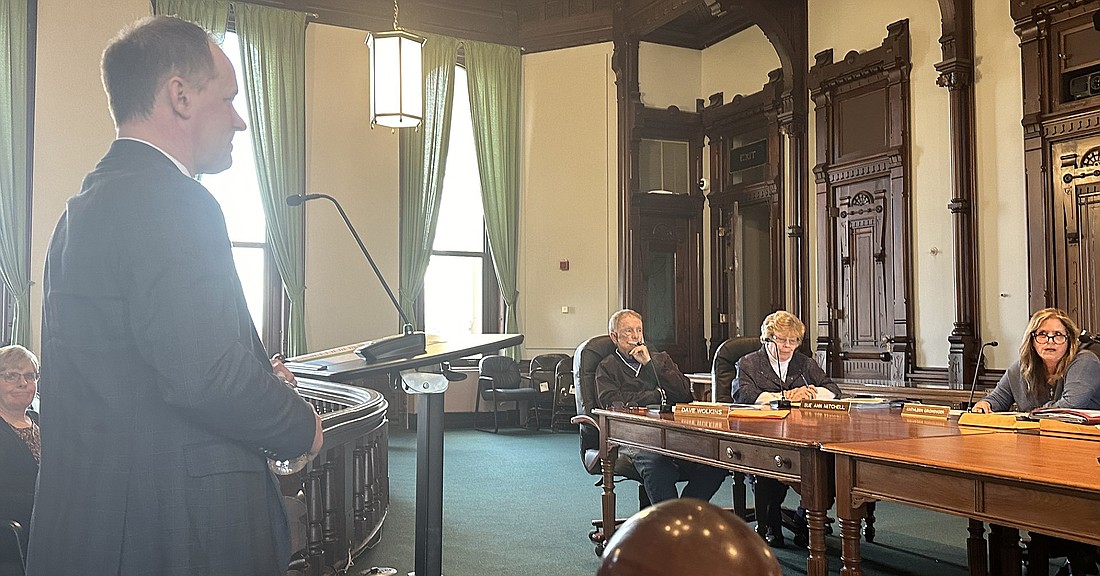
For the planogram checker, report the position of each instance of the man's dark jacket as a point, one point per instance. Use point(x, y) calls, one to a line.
point(157, 398)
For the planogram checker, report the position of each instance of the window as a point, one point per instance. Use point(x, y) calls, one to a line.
point(460, 293)
point(238, 191)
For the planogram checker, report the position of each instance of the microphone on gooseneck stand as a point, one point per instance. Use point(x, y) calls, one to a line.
point(405, 345)
point(977, 369)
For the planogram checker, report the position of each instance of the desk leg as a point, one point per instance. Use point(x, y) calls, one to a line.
point(817, 498)
point(429, 485)
point(608, 498)
point(849, 516)
point(976, 556)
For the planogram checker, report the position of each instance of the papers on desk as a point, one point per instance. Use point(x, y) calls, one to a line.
point(1005, 420)
point(1070, 415)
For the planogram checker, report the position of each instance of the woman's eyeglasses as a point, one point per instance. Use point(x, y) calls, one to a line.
point(1044, 337)
point(13, 377)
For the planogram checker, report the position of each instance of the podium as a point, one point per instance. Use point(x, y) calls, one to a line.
point(342, 365)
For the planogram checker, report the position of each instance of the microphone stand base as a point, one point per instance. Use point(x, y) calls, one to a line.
point(393, 347)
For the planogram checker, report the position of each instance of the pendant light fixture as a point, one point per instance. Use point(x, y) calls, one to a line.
point(396, 88)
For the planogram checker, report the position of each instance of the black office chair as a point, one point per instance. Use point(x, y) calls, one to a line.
point(565, 401)
point(543, 378)
point(723, 371)
point(587, 357)
point(500, 381)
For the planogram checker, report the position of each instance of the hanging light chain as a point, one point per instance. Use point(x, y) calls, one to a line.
point(395, 10)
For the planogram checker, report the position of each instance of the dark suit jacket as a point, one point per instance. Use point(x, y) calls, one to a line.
point(755, 375)
point(18, 471)
point(158, 399)
point(618, 385)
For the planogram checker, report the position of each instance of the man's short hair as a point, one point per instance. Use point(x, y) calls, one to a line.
point(613, 323)
point(137, 62)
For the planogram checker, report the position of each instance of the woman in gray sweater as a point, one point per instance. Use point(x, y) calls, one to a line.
point(1051, 371)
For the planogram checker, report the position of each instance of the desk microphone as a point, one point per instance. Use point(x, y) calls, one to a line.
point(977, 369)
point(405, 345)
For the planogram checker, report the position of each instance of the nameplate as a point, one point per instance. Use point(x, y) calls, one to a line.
point(703, 410)
point(825, 405)
point(925, 410)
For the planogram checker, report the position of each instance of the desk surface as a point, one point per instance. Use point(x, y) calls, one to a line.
point(788, 449)
point(1020, 457)
point(815, 428)
point(345, 365)
point(1024, 480)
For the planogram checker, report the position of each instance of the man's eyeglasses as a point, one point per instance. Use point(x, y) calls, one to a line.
point(13, 377)
point(1041, 337)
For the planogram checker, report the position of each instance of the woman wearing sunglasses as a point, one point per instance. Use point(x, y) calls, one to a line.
point(1051, 370)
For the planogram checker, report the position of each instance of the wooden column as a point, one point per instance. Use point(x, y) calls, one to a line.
point(624, 62)
point(957, 75)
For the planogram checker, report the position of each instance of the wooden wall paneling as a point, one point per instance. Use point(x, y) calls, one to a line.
point(956, 73)
point(1058, 47)
point(865, 277)
point(731, 126)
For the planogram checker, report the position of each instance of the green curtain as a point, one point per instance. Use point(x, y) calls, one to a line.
point(212, 15)
point(494, 76)
point(424, 157)
point(14, 193)
point(273, 58)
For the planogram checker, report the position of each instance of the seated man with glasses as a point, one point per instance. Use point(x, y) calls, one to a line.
point(635, 376)
point(775, 372)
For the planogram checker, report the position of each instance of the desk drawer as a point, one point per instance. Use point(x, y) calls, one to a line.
point(763, 458)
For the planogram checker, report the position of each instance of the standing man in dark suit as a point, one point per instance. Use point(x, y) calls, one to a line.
point(776, 372)
point(161, 405)
point(634, 376)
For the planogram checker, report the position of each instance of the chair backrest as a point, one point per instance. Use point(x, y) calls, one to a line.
point(1090, 341)
point(724, 367)
point(585, 360)
point(563, 376)
point(498, 372)
point(587, 357)
point(543, 369)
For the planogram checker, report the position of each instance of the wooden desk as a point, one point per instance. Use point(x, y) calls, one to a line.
point(1042, 483)
point(786, 449)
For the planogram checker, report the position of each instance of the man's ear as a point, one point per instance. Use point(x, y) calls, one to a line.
point(179, 96)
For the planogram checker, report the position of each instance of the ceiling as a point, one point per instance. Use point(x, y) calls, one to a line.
point(535, 25)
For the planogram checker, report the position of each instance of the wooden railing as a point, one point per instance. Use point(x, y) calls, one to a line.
point(337, 504)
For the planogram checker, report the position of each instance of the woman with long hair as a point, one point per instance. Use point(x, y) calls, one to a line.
point(1052, 369)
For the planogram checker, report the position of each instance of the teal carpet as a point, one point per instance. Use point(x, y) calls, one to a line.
point(519, 503)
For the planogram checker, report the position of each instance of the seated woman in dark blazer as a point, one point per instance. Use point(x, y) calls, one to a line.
point(1052, 370)
point(776, 372)
point(19, 450)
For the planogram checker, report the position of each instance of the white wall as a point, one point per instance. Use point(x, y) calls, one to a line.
point(1001, 196)
point(72, 126)
point(359, 167)
point(568, 198)
point(738, 65)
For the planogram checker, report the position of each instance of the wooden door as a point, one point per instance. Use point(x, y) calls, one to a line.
point(1078, 198)
point(862, 260)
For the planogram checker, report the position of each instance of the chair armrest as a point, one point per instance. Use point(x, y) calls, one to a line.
point(584, 419)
